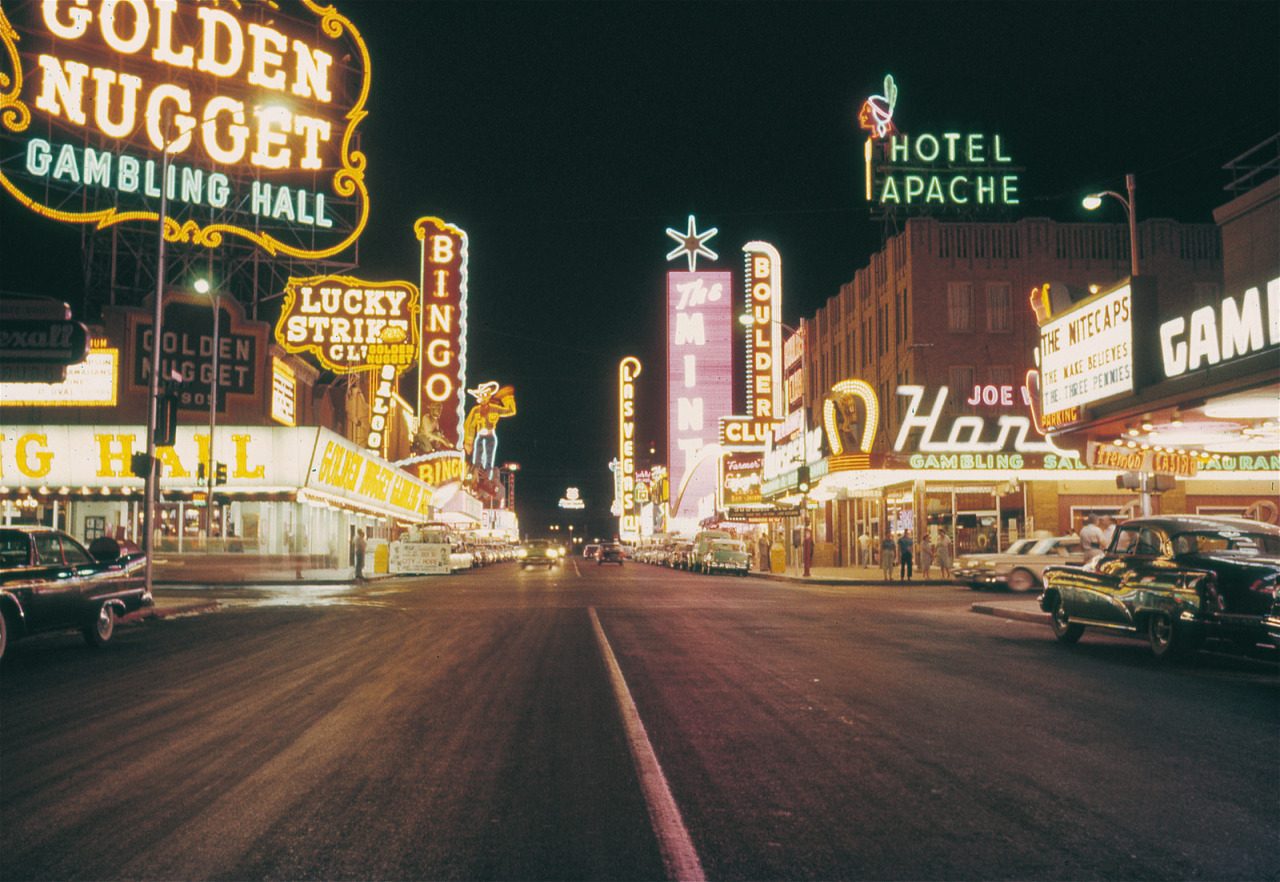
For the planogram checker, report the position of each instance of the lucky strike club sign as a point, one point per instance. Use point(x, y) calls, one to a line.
point(255, 103)
point(349, 324)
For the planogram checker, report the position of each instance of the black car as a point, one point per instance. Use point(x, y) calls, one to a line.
point(50, 582)
point(1177, 581)
point(611, 552)
point(538, 553)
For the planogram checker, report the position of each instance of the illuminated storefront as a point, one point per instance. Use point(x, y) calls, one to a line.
point(295, 489)
point(1198, 407)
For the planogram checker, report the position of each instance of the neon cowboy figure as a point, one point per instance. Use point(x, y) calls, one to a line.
point(480, 430)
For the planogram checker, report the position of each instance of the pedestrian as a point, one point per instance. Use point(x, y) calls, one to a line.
point(864, 549)
point(1108, 526)
point(904, 555)
point(927, 552)
point(807, 550)
point(1091, 537)
point(888, 556)
point(361, 545)
point(765, 550)
point(943, 553)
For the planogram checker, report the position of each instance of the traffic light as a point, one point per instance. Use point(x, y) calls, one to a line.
point(1129, 481)
point(803, 475)
point(200, 472)
point(140, 465)
point(220, 473)
point(167, 410)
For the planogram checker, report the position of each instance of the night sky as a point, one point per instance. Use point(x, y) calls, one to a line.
point(565, 138)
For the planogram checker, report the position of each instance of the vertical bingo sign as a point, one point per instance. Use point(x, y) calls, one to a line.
point(628, 370)
point(443, 362)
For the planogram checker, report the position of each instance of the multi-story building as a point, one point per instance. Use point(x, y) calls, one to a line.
point(943, 308)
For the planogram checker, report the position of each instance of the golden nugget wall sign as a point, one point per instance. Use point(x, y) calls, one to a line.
point(254, 103)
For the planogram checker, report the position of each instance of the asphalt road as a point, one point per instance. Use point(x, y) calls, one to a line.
point(466, 727)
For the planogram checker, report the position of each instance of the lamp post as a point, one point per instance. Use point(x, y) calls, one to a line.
point(1091, 203)
point(1094, 200)
point(747, 320)
point(202, 286)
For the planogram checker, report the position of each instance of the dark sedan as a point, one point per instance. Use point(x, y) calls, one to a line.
point(1175, 580)
point(611, 552)
point(50, 582)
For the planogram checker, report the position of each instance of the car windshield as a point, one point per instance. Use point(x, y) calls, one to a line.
point(1022, 546)
point(727, 546)
point(1226, 541)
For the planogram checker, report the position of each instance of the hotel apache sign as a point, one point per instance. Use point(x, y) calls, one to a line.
point(959, 170)
point(254, 103)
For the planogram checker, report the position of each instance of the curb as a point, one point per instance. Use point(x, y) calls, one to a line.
point(1016, 614)
point(826, 580)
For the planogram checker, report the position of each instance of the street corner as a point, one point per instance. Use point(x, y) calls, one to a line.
point(1014, 610)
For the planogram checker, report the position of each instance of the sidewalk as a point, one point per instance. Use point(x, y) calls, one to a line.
point(240, 569)
point(854, 575)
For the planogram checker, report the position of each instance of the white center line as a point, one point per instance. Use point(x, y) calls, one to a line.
point(679, 857)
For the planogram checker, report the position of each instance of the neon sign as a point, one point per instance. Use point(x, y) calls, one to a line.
point(625, 474)
point(699, 380)
point(763, 276)
point(967, 433)
point(480, 431)
point(572, 500)
point(957, 169)
point(876, 113)
point(849, 430)
point(351, 325)
point(100, 92)
point(443, 362)
point(284, 393)
point(1086, 353)
point(1214, 334)
point(692, 243)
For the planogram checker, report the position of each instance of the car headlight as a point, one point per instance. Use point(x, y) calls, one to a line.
point(551, 552)
point(522, 553)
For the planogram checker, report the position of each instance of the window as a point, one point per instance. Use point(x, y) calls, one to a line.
point(48, 549)
point(999, 304)
point(76, 556)
point(959, 306)
point(1001, 375)
point(960, 379)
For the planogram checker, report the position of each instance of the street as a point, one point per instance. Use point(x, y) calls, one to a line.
point(465, 727)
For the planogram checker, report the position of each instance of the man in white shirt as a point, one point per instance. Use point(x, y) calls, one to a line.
point(1091, 538)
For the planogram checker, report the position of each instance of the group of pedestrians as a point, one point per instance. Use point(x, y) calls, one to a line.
point(900, 553)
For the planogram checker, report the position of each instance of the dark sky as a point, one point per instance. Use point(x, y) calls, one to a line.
point(566, 137)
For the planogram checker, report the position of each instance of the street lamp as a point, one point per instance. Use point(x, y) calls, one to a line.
point(202, 286)
point(1094, 201)
point(747, 320)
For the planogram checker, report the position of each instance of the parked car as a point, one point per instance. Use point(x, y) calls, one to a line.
point(1021, 567)
point(611, 552)
point(727, 556)
point(701, 545)
point(681, 555)
point(538, 553)
point(50, 582)
point(590, 551)
point(1175, 580)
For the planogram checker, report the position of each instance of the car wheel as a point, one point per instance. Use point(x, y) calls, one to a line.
point(1167, 640)
point(1063, 629)
point(1022, 581)
point(101, 629)
point(4, 632)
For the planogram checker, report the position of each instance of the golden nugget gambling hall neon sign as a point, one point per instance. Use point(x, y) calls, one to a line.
point(256, 108)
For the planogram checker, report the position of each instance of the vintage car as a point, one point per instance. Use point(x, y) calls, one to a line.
point(726, 556)
point(50, 582)
point(538, 553)
point(1021, 566)
point(611, 552)
point(1175, 580)
point(589, 552)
